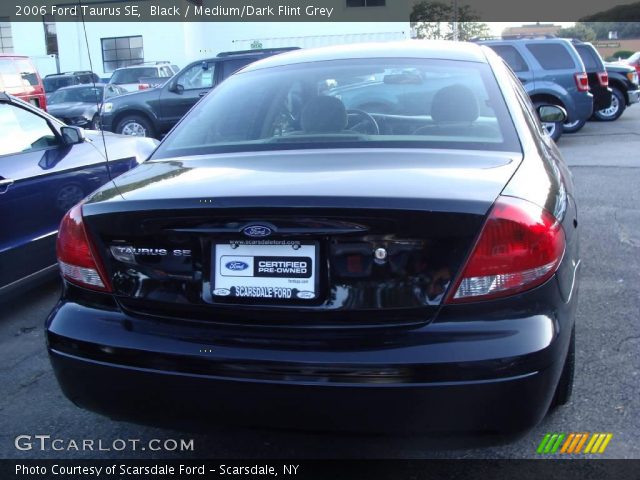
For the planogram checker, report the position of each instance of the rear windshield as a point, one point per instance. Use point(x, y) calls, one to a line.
point(349, 103)
point(552, 56)
point(133, 75)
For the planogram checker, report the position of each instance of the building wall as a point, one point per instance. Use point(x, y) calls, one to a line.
point(608, 47)
point(181, 43)
point(161, 41)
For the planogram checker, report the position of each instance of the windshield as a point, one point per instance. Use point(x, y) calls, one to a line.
point(349, 103)
point(133, 75)
point(83, 95)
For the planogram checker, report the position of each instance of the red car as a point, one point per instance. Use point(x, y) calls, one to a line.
point(19, 77)
point(634, 61)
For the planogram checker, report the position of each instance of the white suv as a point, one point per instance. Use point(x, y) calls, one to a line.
point(139, 77)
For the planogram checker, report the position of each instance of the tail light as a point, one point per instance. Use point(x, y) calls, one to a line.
point(76, 255)
point(582, 81)
point(143, 86)
point(603, 78)
point(520, 247)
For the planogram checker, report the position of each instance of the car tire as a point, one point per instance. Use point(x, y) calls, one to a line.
point(135, 125)
point(95, 123)
point(564, 389)
point(553, 128)
point(573, 127)
point(617, 107)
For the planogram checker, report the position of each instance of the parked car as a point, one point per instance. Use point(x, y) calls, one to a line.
point(154, 112)
point(45, 168)
point(54, 81)
point(623, 80)
point(347, 269)
point(552, 72)
point(139, 77)
point(80, 105)
point(20, 78)
point(598, 82)
point(634, 61)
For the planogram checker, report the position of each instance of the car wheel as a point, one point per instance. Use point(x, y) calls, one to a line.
point(95, 123)
point(68, 196)
point(136, 126)
point(554, 129)
point(573, 127)
point(618, 105)
point(564, 389)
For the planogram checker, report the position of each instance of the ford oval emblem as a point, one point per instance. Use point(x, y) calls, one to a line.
point(237, 265)
point(305, 294)
point(256, 231)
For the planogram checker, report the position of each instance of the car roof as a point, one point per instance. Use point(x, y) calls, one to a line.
point(83, 85)
point(155, 65)
point(435, 49)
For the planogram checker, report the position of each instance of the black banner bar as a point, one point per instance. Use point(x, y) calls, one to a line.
point(320, 10)
point(322, 469)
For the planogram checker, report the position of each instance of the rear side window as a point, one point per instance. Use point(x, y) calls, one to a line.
point(591, 60)
point(28, 72)
point(133, 75)
point(229, 67)
point(512, 57)
point(552, 56)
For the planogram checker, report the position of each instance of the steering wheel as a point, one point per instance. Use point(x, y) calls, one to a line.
point(363, 119)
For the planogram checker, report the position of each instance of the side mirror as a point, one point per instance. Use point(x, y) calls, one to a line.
point(552, 114)
point(176, 87)
point(72, 135)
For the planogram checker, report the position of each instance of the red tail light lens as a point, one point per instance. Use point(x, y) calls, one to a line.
point(603, 78)
point(143, 86)
point(582, 81)
point(520, 247)
point(76, 257)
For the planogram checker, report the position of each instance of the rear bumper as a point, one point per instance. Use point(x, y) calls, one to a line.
point(584, 106)
point(490, 375)
point(507, 405)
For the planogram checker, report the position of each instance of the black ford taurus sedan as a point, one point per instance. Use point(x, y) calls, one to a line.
point(372, 238)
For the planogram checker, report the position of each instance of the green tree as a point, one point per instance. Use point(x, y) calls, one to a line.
point(433, 19)
point(580, 31)
point(602, 29)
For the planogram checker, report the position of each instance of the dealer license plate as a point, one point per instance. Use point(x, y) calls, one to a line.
point(265, 269)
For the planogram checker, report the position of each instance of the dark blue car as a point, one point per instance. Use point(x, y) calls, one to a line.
point(45, 168)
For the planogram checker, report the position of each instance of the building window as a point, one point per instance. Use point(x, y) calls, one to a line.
point(6, 40)
point(50, 34)
point(121, 52)
point(365, 3)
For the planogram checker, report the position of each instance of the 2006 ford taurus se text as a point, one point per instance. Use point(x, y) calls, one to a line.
point(373, 238)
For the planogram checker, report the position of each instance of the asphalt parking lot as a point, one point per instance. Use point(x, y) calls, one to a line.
point(605, 163)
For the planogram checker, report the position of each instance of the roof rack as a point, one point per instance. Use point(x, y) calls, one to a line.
point(257, 50)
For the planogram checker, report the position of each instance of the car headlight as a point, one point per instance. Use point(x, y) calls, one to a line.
point(107, 107)
point(79, 121)
point(633, 77)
